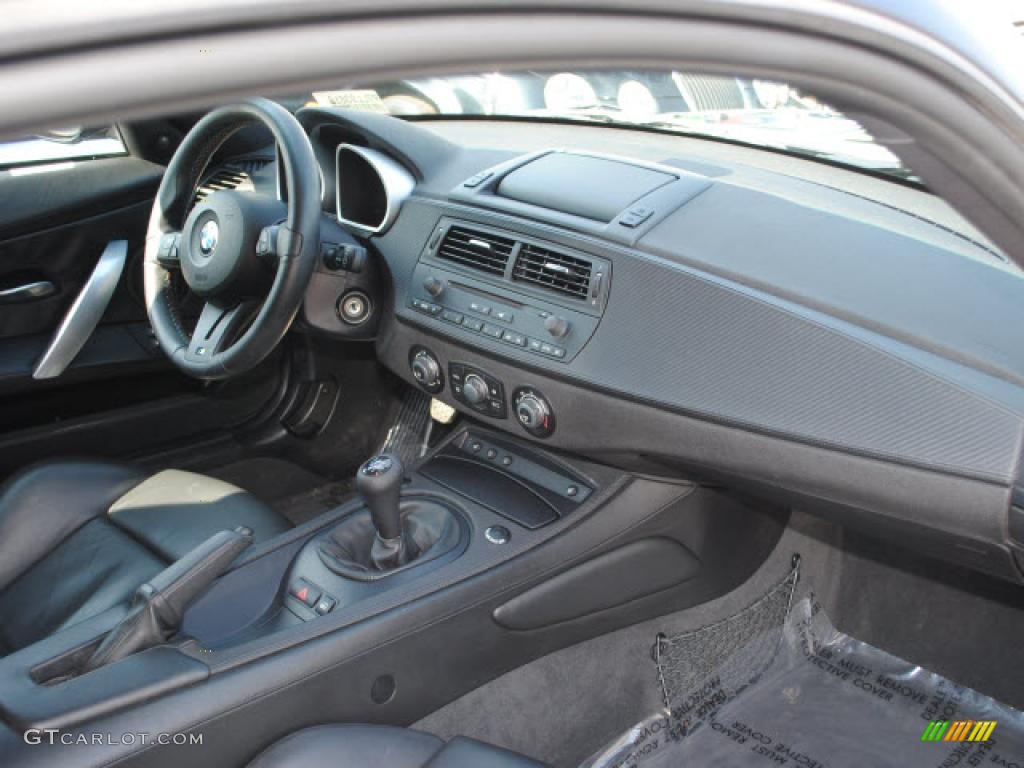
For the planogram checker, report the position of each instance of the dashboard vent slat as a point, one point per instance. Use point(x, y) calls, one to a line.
point(554, 271)
point(223, 178)
point(479, 250)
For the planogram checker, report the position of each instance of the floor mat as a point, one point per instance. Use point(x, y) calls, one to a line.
point(777, 684)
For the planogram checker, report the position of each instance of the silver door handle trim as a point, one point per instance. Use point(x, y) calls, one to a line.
point(40, 289)
point(83, 317)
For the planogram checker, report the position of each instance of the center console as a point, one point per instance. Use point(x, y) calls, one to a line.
point(441, 575)
point(478, 500)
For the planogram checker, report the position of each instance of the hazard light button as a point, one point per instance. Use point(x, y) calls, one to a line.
point(305, 592)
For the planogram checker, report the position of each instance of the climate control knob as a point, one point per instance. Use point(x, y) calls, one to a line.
point(474, 389)
point(426, 370)
point(533, 412)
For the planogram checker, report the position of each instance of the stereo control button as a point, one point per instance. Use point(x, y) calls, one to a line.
point(434, 286)
point(514, 338)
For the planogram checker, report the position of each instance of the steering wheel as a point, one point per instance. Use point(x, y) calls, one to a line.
point(249, 256)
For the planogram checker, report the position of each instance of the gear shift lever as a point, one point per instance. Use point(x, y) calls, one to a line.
point(390, 532)
point(379, 482)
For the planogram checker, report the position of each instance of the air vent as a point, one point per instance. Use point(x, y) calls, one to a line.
point(480, 250)
point(223, 178)
point(553, 270)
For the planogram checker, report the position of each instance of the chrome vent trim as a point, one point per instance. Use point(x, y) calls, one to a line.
point(553, 270)
point(476, 249)
point(396, 181)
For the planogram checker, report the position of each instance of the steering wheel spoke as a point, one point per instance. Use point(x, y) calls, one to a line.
point(221, 246)
point(168, 253)
point(217, 328)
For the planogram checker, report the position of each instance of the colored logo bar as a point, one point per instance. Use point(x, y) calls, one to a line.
point(959, 730)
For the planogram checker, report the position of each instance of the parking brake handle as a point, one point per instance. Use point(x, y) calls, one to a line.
point(160, 603)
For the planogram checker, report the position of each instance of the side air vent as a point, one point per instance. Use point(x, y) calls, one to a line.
point(223, 178)
point(479, 250)
point(555, 271)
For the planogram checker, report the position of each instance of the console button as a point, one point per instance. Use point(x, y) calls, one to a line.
point(534, 344)
point(498, 534)
point(504, 315)
point(305, 592)
point(514, 338)
point(477, 179)
point(557, 326)
point(493, 330)
point(426, 307)
point(472, 324)
point(483, 309)
point(452, 317)
point(325, 605)
point(635, 216)
point(434, 286)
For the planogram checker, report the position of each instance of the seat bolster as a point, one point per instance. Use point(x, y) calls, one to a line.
point(44, 504)
point(462, 752)
point(350, 746)
point(174, 511)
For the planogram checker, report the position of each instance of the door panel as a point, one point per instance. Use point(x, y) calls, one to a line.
point(120, 395)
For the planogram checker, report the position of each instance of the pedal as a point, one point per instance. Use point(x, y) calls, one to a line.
point(440, 412)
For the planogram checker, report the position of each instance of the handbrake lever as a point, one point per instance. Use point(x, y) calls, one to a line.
point(160, 603)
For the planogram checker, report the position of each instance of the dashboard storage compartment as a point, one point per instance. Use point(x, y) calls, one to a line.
point(556, 181)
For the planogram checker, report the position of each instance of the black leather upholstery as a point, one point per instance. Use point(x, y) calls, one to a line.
point(461, 752)
point(78, 538)
point(175, 511)
point(358, 746)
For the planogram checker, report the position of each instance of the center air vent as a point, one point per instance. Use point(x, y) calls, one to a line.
point(553, 270)
point(479, 250)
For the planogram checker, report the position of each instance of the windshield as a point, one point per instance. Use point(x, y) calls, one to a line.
point(753, 112)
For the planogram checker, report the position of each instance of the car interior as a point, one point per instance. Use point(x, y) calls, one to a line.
point(349, 438)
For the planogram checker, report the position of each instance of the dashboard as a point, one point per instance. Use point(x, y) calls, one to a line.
point(672, 306)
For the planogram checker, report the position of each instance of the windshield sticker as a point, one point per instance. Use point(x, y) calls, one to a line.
point(363, 100)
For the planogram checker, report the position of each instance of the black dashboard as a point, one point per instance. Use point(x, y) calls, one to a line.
point(670, 306)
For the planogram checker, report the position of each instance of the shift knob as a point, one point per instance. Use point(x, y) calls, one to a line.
point(379, 482)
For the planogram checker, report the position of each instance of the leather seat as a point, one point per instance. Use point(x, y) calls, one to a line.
point(78, 538)
point(359, 746)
